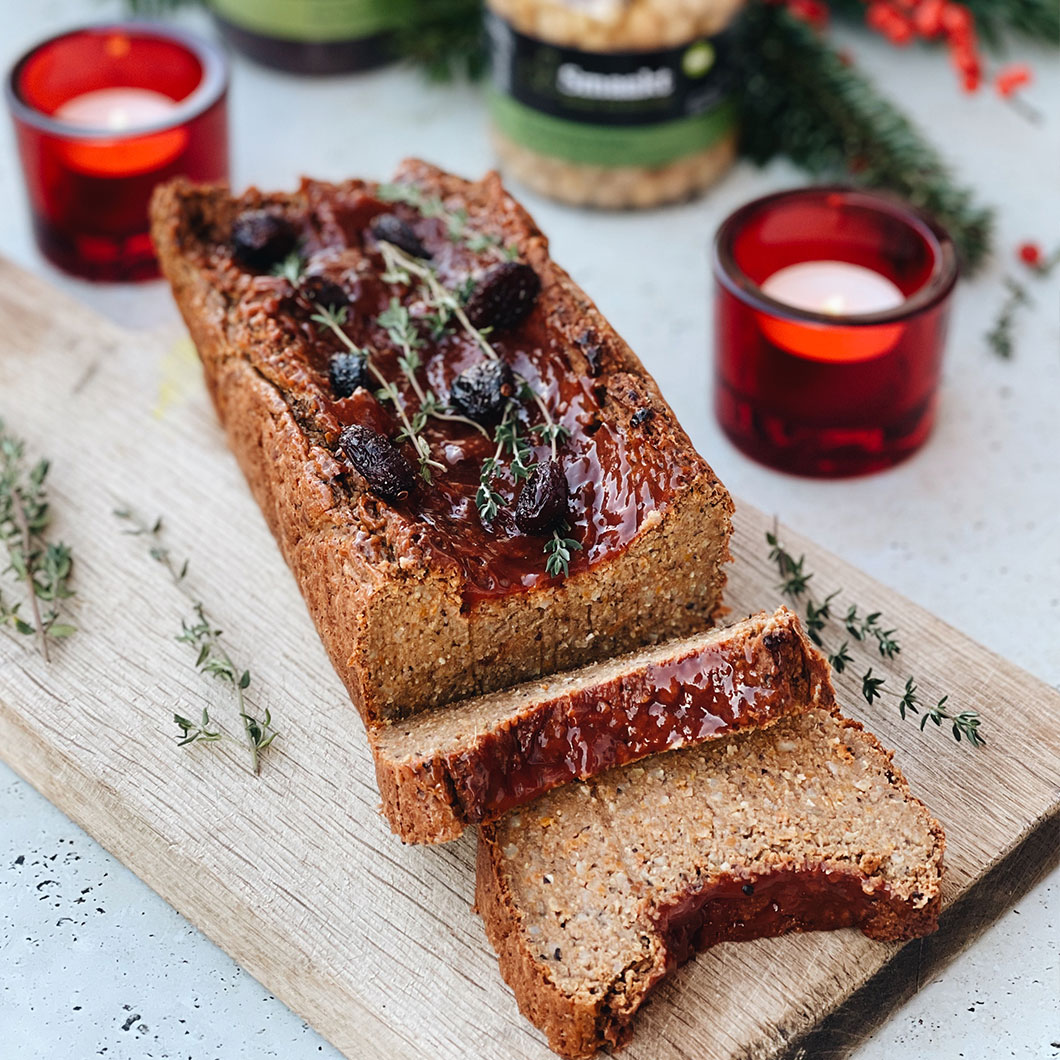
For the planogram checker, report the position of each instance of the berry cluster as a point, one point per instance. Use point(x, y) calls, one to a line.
point(903, 21)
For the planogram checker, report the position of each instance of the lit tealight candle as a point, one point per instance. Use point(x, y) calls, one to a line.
point(117, 109)
point(124, 112)
point(838, 288)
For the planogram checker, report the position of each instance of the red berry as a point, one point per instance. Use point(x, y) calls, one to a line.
point(1030, 254)
point(1012, 78)
point(927, 18)
point(812, 11)
point(957, 20)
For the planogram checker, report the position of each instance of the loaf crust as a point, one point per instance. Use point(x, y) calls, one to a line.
point(558, 836)
point(471, 762)
point(395, 616)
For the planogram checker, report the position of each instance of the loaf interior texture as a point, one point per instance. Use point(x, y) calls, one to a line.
point(469, 762)
point(417, 600)
point(594, 892)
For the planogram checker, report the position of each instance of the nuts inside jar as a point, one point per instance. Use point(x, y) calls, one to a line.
point(622, 187)
point(617, 104)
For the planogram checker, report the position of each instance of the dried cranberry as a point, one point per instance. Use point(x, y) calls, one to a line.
point(389, 228)
point(482, 392)
point(543, 502)
point(347, 372)
point(261, 239)
point(319, 290)
point(379, 461)
point(504, 296)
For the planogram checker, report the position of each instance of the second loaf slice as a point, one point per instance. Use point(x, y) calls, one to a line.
point(470, 762)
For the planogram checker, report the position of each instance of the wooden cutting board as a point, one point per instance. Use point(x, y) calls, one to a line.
point(294, 873)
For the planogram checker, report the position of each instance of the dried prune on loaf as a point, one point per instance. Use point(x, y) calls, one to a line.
point(379, 461)
point(320, 291)
point(261, 239)
point(543, 503)
point(483, 391)
point(504, 296)
point(347, 372)
point(389, 228)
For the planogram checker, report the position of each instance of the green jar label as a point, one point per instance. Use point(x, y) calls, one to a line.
point(646, 108)
point(317, 21)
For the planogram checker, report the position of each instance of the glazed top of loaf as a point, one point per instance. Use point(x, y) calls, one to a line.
point(623, 455)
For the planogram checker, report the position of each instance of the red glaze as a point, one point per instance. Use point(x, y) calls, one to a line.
point(810, 899)
point(616, 477)
point(666, 706)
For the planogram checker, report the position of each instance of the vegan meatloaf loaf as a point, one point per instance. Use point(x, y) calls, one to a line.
point(470, 762)
point(472, 477)
point(594, 892)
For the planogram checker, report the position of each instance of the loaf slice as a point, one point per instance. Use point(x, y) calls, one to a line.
point(470, 762)
point(419, 598)
point(594, 892)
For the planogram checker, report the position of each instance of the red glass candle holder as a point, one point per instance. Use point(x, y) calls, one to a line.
point(89, 185)
point(819, 393)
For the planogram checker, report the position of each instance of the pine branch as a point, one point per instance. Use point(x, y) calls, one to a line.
point(803, 101)
point(445, 40)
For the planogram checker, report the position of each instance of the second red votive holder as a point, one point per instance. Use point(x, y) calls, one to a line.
point(831, 313)
point(102, 115)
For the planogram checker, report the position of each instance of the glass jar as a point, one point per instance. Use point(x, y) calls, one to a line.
point(612, 103)
point(313, 36)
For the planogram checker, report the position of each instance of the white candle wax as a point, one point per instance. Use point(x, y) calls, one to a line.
point(117, 109)
point(836, 287)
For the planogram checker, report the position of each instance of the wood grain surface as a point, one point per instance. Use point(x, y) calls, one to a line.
point(295, 873)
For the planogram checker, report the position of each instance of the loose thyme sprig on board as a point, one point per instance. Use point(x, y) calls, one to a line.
point(865, 628)
point(44, 567)
point(212, 656)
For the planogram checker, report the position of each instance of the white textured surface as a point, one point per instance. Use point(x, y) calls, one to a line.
point(92, 962)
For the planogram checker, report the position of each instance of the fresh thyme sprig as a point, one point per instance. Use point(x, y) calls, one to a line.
point(43, 566)
point(558, 549)
point(443, 305)
point(456, 221)
point(192, 732)
point(412, 426)
point(865, 628)
point(401, 329)
point(291, 269)
point(402, 268)
point(212, 657)
point(509, 440)
point(965, 724)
